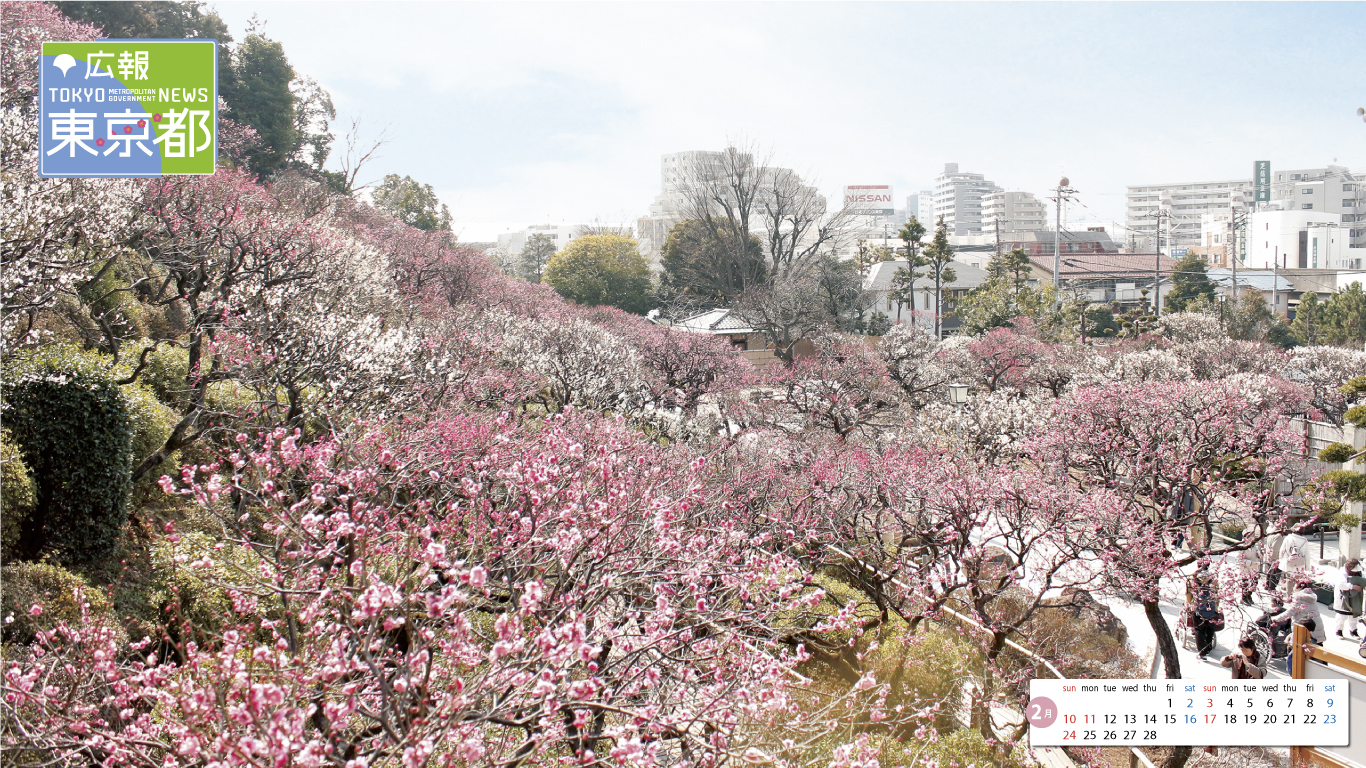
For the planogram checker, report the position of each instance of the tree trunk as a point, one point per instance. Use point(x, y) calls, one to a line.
point(1178, 757)
point(1166, 644)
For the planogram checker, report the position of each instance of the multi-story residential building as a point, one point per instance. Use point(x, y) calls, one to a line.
point(1301, 239)
point(1328, 190)
point(1006, 212)
point(670, 206)
point(958, 200)
point(921, 206)
point(1187, 202)
point(1216, 237)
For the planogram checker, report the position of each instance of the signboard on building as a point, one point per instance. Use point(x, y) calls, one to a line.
point(1177, 253)
point(1261, 180)
point(128, 108)
point(869, 200)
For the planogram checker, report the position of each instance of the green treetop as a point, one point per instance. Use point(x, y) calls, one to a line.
point(1189, 280)
point(413, 203)
point(602, 269)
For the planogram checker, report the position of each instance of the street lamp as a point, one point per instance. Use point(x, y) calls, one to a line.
point(958, 395)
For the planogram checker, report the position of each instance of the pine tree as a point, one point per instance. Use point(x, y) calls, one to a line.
point(1189, 280)
point(903, 282)
point(1344, 317)
point(938, 255)
point(1012, 267)
point(1308, 324)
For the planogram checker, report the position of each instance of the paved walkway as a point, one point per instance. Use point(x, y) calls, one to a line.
point(1143, 641)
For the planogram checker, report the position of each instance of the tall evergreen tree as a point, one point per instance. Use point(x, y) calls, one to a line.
point(261, 98)
point(1189, 280)
point(903, 282)
point(1011, 268)
point(698, 264)
point(938, 256)
point(1344, 317)
point(1308, 323)
point(534, 256)
point(140, 19)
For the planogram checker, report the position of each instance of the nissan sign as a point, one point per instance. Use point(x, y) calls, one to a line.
point(869, 200)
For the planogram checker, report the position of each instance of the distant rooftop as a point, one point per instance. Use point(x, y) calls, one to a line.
point(880, 276)
point(1104, 264)
point(717, 321)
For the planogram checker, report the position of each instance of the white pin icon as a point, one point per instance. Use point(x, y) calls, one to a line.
point(64, 62)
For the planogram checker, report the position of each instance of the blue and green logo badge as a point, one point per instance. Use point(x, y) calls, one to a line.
point(129, 108)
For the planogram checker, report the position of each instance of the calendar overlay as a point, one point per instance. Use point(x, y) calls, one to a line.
point(1234, 713)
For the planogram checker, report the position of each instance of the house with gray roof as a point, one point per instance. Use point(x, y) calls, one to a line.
point(880, 282)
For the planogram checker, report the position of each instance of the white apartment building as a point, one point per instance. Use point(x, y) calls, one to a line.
point(1300, 239)
point(1012, 212)
point(1189, 201)
point(921, 206)
point(958, 200)
point(1329, 190)
point(560, 234)
point(670, 205)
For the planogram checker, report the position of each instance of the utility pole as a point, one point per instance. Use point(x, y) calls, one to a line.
point(1163, 212)
point(1233, 249)
point(1275, 280)
point(1235, 201)
point(1063, 191)
point(1157, 270)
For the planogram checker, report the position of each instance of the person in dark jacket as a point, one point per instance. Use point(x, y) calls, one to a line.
point(1205, 616)
point(1246, 663)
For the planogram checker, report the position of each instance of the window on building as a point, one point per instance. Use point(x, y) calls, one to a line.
point(1294, 176)
point(1307, 191)
point(1307, 207)
point(1348, 202)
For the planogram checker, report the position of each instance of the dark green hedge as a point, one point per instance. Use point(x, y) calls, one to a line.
point(64, 409)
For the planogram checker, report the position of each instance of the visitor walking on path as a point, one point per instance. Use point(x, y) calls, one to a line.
point(1294, 559)
point(1205, 618)
point(1347, 597)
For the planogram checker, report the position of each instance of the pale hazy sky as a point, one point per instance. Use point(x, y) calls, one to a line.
point(558, 112)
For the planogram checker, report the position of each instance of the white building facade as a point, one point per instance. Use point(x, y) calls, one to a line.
point(1188, 202)
point(958, 200)
point(1333, 189)
point(668, 206)
point(1005, 212)
point(921, 206)
point(1301, 239)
